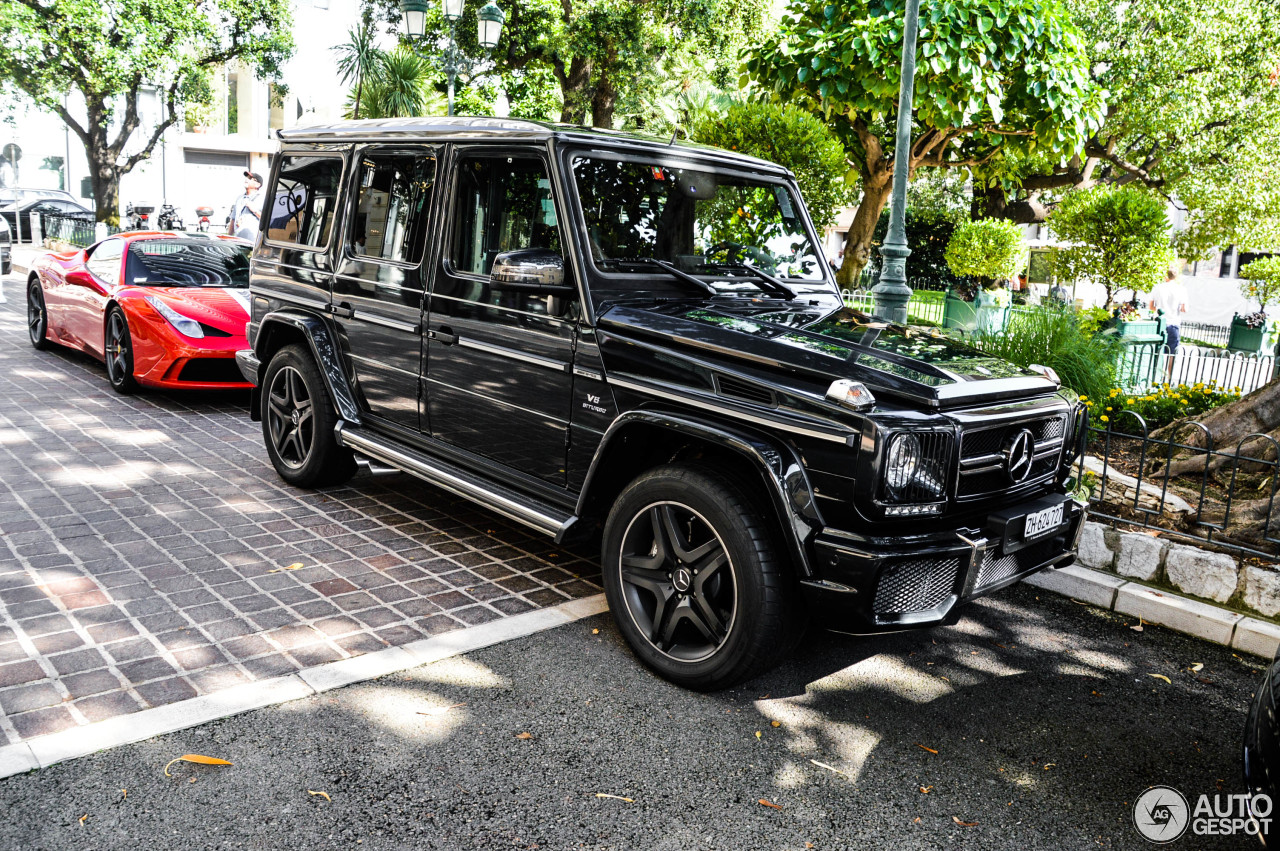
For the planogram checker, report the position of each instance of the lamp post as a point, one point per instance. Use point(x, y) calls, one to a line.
point(892, 292)
point(489, 21)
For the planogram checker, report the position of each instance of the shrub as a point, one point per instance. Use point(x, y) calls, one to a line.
point(991, 249)
point(1120, 236)
point(1260, 281)
point(1052, 337)
point(1161, 406)
point(791, 137)
point(928, 234)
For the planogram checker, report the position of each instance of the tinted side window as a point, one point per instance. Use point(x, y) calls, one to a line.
point(392, 205)
point(305, 200)
point(104, 263)
point(502, 204)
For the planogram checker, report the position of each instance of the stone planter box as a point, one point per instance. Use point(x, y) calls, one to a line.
point(1244, 339)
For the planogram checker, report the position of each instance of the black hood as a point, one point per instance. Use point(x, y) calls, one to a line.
point(825, 343)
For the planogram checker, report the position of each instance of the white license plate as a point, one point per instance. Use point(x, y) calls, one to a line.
point(1043, 521)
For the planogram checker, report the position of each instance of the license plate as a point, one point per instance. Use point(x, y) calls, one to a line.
point(1043, 521)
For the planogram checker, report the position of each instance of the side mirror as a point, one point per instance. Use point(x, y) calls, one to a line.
point(81, 278)
point(532, 270)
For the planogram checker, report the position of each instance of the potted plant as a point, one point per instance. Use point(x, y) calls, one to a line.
point(991, 251)
point(1260, 282)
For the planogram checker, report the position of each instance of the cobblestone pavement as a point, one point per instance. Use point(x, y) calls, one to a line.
point(146, 546)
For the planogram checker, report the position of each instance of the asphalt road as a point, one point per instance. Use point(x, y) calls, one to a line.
point(1044, 715)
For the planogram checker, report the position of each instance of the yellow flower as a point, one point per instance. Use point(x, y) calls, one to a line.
point(1084, 398)
point(1104, 417)
point(1128, 401)
point(1108, 407)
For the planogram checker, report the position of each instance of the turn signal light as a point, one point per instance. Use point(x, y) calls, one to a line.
point(851, 394)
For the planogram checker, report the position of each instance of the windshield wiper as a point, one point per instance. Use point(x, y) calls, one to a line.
point(673, 270)
point(770, 283)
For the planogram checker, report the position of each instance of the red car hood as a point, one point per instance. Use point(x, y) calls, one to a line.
point(223, 308)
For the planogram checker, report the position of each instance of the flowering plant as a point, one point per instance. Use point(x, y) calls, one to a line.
point(1129, 313)
point(1256, 319)
point(1161, 406)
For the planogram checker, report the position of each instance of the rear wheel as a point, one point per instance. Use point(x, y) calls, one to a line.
point(298, 419)
point(118, 352)
point(694, 579)
point(37, 315)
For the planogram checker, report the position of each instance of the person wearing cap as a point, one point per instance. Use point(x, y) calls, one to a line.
point(246, 211)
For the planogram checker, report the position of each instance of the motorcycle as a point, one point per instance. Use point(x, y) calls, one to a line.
point(204, 214)
point(139, 217)
point(169, 218)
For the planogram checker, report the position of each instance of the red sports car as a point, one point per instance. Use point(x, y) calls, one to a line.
point(161, 310)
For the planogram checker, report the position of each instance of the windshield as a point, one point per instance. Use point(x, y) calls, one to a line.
point(705, 222)
point(188, 263)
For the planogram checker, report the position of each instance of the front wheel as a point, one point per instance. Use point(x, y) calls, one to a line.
point(118, 352)
point(694, 579)
point(37, 315)
point(298, 421)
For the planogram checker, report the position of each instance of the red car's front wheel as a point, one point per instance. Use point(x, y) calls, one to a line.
point(37, 315)
point(118, 353)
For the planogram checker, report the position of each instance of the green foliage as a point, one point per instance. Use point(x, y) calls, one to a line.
point(107, 51)
point(1052, 337)
point(1160, 407)
point(991, 249)
point(790, 137)
point(1260, 281)
point(928, 235)
point(358, 62)
point(1120, 238)
point(1093, 319)
point(400, 85)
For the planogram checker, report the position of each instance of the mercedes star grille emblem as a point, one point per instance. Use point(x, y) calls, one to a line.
point(1018, 453)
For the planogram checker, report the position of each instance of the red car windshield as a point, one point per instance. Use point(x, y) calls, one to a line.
point(188, 263)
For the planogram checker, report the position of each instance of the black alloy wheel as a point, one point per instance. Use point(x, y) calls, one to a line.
point(37, 315)
point(118, 352)
point(298, 422)
point(695, 581)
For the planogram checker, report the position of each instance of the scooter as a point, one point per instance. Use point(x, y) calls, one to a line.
point(204, 214)
point(138, 218)
point(169, 218)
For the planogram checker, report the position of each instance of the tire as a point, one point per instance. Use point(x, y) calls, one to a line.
point(695, 580)
point(298, 419)
point(37, 316)
point(117, 351)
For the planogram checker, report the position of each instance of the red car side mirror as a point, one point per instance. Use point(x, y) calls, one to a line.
point(81, 278)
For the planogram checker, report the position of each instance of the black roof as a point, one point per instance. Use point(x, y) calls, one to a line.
point(457, 128)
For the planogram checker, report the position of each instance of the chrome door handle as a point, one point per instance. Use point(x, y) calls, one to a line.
point(444, 336)
point(343, 310)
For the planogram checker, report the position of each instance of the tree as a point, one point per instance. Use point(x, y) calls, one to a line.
point(988, 249)
point(109, 52)
point(360, 59)
point(399, 85)
point(786, 135)
point(604, 54)
point(1260, 281)
point(1119, 236)
point(993, 77)
point(1193, 112)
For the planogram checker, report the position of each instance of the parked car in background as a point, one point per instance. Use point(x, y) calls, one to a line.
point(159, 309)
point(56, 206)
point(6, 248)
point(605, 337)
point(13, 194)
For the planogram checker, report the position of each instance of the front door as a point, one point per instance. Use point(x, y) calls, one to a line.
point(378, 289)
point(498, 364)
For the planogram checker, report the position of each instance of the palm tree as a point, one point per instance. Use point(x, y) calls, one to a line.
point(361, 59)
point(401, 88)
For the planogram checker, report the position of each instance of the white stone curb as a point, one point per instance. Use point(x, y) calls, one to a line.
point(1221, 626)
point(44, 751)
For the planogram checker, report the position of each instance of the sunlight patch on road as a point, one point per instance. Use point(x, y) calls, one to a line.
point(125, 473)
point(459, 671)
point(12, 436)
point(131, 437)
point(890, 674)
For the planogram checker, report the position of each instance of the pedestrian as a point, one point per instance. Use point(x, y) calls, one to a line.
point(246, 211)
point(1170, 299)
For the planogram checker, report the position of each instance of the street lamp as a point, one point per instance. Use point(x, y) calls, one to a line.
point(892, 292)
point(489, 21)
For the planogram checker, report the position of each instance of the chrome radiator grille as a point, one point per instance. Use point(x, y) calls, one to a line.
point(982, 455)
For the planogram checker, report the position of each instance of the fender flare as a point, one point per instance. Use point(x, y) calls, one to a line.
point(322, 341)
point(781, 471)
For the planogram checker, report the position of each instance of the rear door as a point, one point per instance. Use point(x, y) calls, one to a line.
point(499, 360)
point(378, 290)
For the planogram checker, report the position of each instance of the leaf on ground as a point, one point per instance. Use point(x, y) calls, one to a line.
point(297, 565)
point(923, 748)
point(1049, 765)
point(775, 723)
point(82, 818)
point(1161, 677)
point(324, 795)
point(759, 734)
point(957, 820)
point(1137, 628)
point(916, 820)
point(925, 790)
point(1197, 667)
point(762, 802)
point(196, 758)
point(439, 710)
point(124, 793)
point(614, 797)
point(524, 735)
point(829, 768)
point(595, 632)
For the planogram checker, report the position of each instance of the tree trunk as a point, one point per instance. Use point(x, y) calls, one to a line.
point(104, 175)
point(603, 102)
point(575, 82)
point(876, 191)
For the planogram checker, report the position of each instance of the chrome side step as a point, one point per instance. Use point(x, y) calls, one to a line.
point(507, 502)
point(369, 467)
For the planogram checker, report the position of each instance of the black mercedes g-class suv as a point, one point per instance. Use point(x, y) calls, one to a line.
point(591, 332)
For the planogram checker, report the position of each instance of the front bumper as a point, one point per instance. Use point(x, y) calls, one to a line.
point(869, 585)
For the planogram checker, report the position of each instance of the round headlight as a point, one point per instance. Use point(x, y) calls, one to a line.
point(902, 460)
